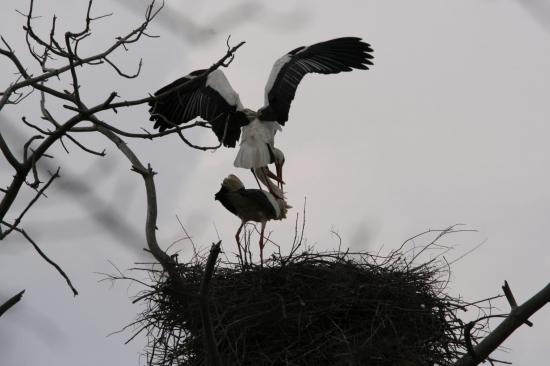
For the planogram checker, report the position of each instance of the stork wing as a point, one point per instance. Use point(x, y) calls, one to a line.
point(329, 57)
point(210, 97)
point(257, 200)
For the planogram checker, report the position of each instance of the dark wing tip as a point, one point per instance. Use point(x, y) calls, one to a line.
point(170, 109)
point(341, 54)
point(227, 127)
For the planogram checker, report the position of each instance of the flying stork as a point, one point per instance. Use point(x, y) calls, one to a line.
point(250, 205)
point(211, 97)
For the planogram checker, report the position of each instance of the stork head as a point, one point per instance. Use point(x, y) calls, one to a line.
point(232, 183)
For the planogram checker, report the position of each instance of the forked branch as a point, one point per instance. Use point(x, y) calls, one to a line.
point(518, 315)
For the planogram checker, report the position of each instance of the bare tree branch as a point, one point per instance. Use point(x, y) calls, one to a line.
point(148, 177)
point(43, 255)
point(8, 154)
point(147, 135)
point(76, 86)
point(210, 344)
point(518, 315)
point(123, 74)
point(19, 178)
point(29, 205)
point(167, 262)
point(29, 80)
point(11, 302)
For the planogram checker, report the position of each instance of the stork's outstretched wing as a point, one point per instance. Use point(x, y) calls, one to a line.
point(210, 97)
point(329, 57)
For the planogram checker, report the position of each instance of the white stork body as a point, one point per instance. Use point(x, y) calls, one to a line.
point(210, 96)
point(257, 141)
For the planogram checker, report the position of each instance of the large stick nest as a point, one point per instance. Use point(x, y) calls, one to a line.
point(329, 308)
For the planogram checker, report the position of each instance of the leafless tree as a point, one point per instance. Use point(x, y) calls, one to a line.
point(57, 55)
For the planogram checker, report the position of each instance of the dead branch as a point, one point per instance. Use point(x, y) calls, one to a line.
point(43, 255)
point(8, 154)
point(168, 263)
point(19, 178)
point(518, 315)
point(11, 302)
point(147, 135)
point(74, 61)
point(39, 194)
point(209, 337)
point(147, 174)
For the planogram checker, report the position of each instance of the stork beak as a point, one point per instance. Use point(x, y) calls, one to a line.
point(279, 169)
point(276, 178)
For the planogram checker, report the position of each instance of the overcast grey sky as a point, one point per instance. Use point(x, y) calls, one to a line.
point(450, 126)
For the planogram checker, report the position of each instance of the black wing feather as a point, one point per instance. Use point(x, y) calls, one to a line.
point(257, 201)
point(192, 98)
point(248, 204)
point(329, 57)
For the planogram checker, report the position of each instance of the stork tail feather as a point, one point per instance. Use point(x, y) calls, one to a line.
point(252, 154)
point(284, 207)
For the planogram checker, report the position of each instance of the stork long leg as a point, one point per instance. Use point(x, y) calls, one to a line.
point(238, 239)
point(255, 177)
point(262, 244)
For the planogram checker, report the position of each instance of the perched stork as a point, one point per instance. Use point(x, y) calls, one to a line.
point(211, 97)
point(250, 205)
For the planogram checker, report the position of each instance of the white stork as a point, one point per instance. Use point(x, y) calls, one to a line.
point(250, 205)
point(212, 98)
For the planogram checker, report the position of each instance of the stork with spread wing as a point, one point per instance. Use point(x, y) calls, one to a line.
point(211, 97)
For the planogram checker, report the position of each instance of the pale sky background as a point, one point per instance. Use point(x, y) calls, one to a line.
point(450, 126)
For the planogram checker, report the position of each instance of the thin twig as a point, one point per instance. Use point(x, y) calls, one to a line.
point(518, 316)
point(43, 255)
point(39, 194)
point(123, 74)
point(11, 302)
